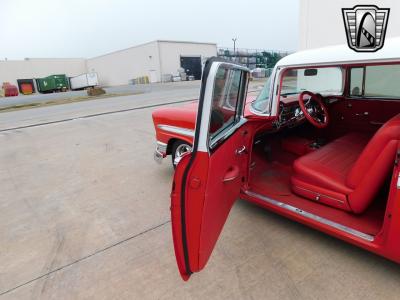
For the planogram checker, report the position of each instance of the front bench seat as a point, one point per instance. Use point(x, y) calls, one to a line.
point(348, 173)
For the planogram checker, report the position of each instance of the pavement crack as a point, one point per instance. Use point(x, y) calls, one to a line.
point(85, 257)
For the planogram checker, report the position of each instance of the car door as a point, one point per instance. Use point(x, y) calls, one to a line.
point(207, 181)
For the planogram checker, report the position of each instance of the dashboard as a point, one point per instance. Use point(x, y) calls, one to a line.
point(290, 113)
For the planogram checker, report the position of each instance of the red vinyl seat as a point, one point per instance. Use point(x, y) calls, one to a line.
point(348, 172)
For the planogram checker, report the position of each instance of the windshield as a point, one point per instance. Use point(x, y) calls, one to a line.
point(326, 81)
point(261, 104)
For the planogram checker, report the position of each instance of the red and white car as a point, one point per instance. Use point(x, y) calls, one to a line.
point(320, 145)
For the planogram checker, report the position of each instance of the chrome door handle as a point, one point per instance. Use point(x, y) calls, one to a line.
point(227, 179)
point(241, 150)
point(231, 174)
point(376, 123)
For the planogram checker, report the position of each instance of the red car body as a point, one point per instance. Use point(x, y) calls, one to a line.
point(340, 176)
point(169, 122)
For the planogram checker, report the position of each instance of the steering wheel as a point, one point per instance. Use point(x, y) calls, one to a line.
point(314, 109)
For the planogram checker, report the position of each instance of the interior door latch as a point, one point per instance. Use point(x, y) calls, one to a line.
point(241, 150)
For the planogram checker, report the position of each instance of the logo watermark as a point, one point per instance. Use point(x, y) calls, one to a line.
point(365, 27)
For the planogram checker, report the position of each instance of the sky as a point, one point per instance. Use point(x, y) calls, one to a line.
point(88, 28)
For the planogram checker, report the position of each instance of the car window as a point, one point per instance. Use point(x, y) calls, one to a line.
point(261, 104)
point(326, 81)
point(224, 108)
point(356, 81)
point(375, 81)
point(382, 81)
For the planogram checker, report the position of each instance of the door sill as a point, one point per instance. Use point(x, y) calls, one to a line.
point(305, 214)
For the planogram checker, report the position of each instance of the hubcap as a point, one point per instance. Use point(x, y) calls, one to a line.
point(180, 151)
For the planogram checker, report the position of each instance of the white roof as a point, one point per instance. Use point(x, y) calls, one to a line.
point(342, 54)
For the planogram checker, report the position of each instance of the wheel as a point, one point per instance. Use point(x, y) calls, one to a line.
point(179, 148)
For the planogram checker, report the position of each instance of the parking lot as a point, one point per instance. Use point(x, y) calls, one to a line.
point(85, 214)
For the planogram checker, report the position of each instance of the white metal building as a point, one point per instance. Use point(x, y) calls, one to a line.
point(152, 59)
point(118, 68)
point(321, 22)
point(11, 70)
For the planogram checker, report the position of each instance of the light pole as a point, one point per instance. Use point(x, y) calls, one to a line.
point(234, 46)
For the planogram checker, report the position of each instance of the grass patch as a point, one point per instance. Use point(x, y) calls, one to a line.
point(62, 101)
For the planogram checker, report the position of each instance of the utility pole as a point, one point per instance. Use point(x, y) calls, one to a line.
point(234, 46)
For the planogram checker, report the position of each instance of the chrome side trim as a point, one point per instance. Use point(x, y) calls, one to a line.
point(219, 138)
point(311, 216)
point(178, 130)
point(319, 194)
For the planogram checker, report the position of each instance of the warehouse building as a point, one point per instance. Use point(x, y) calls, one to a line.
point(11, 70)
point(156, 60)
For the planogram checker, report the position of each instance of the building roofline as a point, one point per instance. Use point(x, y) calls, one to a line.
point(122, 50)
point(43, 58)
point(151, 42)
point(186, 42)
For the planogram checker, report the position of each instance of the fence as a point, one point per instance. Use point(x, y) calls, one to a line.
point(252, 58)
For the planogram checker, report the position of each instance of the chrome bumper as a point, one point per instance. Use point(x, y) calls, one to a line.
point(160, 152)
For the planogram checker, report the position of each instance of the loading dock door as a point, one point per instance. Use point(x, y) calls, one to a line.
point(192, 66)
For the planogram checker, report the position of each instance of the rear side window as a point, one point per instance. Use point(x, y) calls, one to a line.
point(375, 81)
point(382, 81)
point(356, 81)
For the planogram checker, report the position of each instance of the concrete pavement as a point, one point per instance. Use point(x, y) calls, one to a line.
point(115, 90)
point(84, 214)
point(158, 95)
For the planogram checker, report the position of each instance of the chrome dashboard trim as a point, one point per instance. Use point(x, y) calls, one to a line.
point(314, 217)
point(175, 129)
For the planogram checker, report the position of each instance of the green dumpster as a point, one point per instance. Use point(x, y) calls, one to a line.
point(52, 83)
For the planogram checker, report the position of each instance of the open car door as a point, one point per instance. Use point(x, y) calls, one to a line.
point(207, 181)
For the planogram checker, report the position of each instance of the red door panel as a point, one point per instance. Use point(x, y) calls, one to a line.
point(178, 217)
point(361, 114)
point(354, 115)
point(213, 185)
point(207, 181)
point(226, 168)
